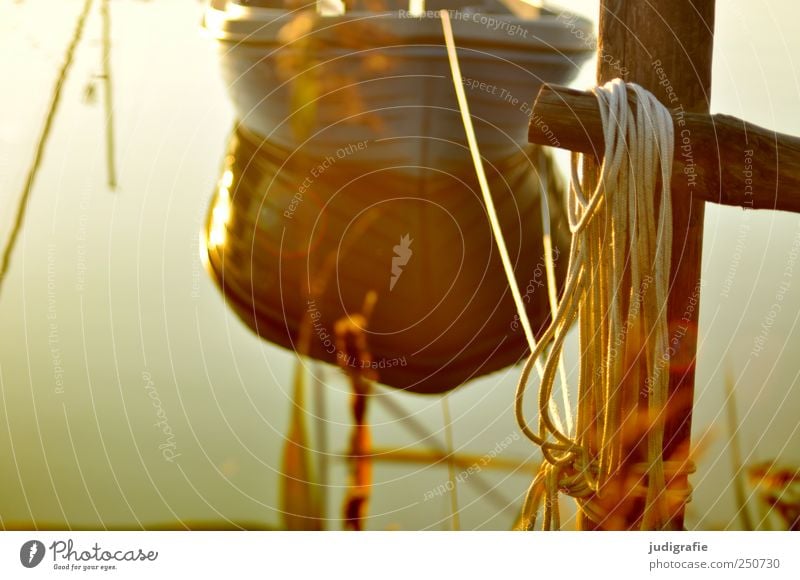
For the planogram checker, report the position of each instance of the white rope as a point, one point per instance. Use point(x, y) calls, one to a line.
point(617, 287)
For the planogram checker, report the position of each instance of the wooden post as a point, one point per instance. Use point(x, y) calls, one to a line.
point(730, 154)
point(666, 46)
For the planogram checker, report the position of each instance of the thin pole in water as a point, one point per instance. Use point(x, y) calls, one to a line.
point(111, 166)
point(43, 138)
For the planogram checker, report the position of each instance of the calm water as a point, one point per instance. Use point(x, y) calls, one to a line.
point(106, 304)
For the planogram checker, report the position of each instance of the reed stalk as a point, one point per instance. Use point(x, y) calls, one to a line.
point(111, 166)
point(33, 171)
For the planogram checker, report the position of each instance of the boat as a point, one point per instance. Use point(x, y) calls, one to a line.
point(348, 176)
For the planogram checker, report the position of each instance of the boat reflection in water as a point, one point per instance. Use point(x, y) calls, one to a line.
point(349, 174)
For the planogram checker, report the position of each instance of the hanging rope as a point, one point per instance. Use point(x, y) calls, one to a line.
point(617, 286)
point(544, 171)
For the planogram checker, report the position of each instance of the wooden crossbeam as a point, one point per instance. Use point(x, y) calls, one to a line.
point(718, 158)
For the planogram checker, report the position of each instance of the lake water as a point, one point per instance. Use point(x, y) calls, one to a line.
point(106, 307)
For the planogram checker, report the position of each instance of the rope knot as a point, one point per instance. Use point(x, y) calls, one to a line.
point(576, 477)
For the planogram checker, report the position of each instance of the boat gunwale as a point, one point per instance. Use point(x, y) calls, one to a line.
point(216, 23)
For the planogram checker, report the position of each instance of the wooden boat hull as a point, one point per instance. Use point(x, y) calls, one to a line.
point(349, 173)
point(290, 262)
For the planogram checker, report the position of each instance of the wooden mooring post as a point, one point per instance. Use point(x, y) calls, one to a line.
point(666, 46)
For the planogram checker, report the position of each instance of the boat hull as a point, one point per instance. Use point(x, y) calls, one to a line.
point(349, 182)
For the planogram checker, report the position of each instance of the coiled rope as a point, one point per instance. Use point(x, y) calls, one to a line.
point(617, 288)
